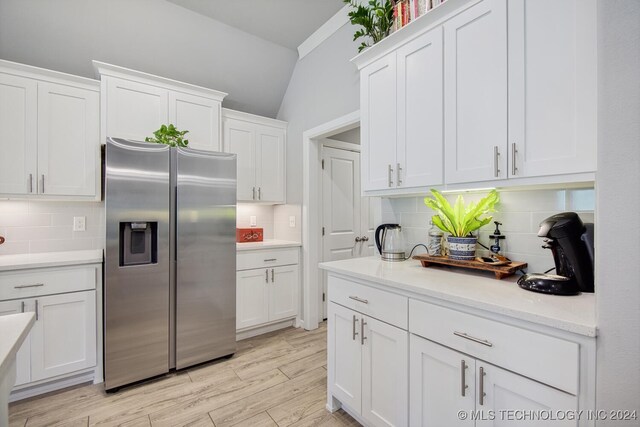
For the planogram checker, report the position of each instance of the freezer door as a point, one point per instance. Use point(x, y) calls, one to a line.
point(136, 286)
point(205, 256)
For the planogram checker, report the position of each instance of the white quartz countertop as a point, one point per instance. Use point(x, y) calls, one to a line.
point(49, 259)
point(14, 328)
point(267, 244)
point(478, 290)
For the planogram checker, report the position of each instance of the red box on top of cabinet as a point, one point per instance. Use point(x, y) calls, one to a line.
point(245, 235)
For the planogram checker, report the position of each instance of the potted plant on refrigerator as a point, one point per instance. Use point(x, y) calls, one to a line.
point(460, 221)
point(169, 135)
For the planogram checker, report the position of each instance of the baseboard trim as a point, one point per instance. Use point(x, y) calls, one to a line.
point(51, 385)
point(263, 329)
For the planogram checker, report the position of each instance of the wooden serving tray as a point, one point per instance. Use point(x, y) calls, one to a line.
point(501, 271)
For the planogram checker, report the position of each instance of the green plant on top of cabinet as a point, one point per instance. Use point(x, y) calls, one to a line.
point(260, 144)
point(375, 18)
point(50, 125)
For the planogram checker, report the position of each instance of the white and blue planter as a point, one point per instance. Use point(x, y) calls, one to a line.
point(462, 248)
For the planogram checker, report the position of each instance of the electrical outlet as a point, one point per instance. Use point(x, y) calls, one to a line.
point(292, 221)
point(253, 221)
point(79, 223)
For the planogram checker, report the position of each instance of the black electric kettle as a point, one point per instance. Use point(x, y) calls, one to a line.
point(390, 242)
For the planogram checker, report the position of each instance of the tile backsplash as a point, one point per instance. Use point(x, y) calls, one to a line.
point(519, 211)
point(273, 219)
point(32, 226)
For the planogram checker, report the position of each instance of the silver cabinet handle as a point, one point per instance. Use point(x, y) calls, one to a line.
point(514, 151)
point(22, 307)
point(364, 301)
point(474, 339)
point(362, 337)
point(496, 155)
point(36, 309)
point(390, 176)
point(259, 193)
point(463, 379)
point(253, 190)
point(35, 285)
point(358, 239)
point(399, 179)
point(30, 183)
point(355, 334)
point(270, 259)
point(43, 183)
point(482, 393)
point(266, 275)
point(272, 274)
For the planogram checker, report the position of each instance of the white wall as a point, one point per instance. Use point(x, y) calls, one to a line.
point(323, 87)
point(154, 36)
point(618, 207)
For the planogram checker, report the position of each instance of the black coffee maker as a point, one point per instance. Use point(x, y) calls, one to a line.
point(571, 243)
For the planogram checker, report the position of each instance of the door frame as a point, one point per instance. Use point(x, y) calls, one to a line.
point(336, 145)
point(311, 216)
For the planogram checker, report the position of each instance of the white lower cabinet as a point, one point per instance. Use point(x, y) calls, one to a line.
point(449, 388)
point(266, 290)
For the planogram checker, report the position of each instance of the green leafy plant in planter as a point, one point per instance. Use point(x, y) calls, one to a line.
point(169, 135)
point(375, 17)
point(460, 220)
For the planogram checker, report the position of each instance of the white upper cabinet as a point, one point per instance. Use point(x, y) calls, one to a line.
point(475, 66)
point(51, 124)
point(137, 104)
point(260, 145)
point(552, 87)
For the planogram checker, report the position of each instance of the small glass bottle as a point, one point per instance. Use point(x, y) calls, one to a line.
point(434, 244)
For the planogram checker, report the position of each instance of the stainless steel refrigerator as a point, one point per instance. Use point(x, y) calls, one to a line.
point(169, 288)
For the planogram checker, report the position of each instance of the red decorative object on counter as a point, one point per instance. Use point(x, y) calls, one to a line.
point(246, 235)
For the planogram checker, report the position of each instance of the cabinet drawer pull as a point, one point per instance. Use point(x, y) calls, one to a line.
point(463, 379)
point(254, 193)
point(272, 279)
point(496, 155)
point(362, 337)
point(482, 393)
point(355, 334)
point(474, 339)
point(30, 183)
point(399, 178)
point(36, 309)
point(22, 307)
point(390, 176)
point(364, 301)
point(42, 183)
point(35, 285)
point(266, 275)
point(259, 193)
point(271, 260)
point(514, 151)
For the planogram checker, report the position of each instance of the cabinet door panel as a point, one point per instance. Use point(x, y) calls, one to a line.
point(506, 391)
point(23, 357)
point(18, 118)
point(475, 65)
point(436, 385)
point(239, 138)
point(283, 292)
point(135, 110)
point(68, 140)
point(552, 86)
point(64, 335)
point(270, 164)
point(252, 299)
point(378, 123)
point(420, 124)
point(344, 353)
point(200, 116)
point(385, 374)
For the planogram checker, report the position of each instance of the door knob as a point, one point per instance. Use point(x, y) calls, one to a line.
point(364, 239)
point(358, 239)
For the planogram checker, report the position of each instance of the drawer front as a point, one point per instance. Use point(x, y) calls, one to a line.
point(33, 283)
point(379, 304)
point(547, 359)
point(246, 260)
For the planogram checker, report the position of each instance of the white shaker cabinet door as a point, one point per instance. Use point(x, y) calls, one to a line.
point(552, 87)
point(344, 353)
point(239, 138)
point(270, 164)
point(23, 357)
point(68, 140)
point(19, 144)
point(419, 118)
point(63, 338)
point(200, 116)
point(252, 297)
point(475, 95)
point(385, 373)
point(283, 295)
point(442, 383)
point(135, 110)
point(378, 124)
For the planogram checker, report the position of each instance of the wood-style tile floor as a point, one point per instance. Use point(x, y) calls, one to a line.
point(278, 379)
